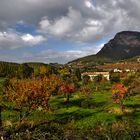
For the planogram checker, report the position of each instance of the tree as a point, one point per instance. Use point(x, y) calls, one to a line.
point(133, 83)
point(87, 90)
point(115, 77)
point(67, 88)
point(86, 94)
point(86, 79)
point(119, 92)
point(65, 73)
point(97, 80)
point(0, 112)
point(24, 71)
point(29, 94)
point(78, 74)
point(3, 84)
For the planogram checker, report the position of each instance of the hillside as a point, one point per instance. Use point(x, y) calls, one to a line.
point(124, 45)
point(90, 61)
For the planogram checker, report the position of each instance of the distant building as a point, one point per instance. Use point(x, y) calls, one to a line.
point(117, 70)
point(94, 74)
point(138, 60)
point(127, 70)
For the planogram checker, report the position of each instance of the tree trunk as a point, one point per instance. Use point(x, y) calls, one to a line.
point(96, 88)
point(0, 117)
point(20, 115)
point(122, 107)
point(68, 98)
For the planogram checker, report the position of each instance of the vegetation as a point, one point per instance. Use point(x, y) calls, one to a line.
point(32, 104)
point(27, 95)
point(119, 92)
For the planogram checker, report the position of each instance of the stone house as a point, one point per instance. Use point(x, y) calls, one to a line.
point(94, 74)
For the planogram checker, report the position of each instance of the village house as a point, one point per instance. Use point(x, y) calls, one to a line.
point(94, 74)
point(117, 70)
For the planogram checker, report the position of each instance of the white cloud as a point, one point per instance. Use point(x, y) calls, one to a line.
point(33, 40)
point(9, 39)
point(57, 19)
point(53, 56)
point(92, 23)
point(73, 26)
point(65, 26)
point(89, 4)
point(12, 39)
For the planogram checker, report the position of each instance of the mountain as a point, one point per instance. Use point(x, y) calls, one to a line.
point(124, 45)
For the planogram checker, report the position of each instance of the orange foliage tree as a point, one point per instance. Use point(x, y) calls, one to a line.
point(29, 94)
point(119, 92)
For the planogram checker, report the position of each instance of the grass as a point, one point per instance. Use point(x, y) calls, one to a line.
point(1, 84)
point(85, 113)
point(82, 112)
point(86, 116)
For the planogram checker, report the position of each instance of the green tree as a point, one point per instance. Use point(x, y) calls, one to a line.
point(97, 80)
point(86, 79)
point(115, 78)
point(133, 82)
point(78, 74)
point(24, 71)
point(64, 72)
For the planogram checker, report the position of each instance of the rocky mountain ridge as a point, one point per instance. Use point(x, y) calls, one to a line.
point(124, 45)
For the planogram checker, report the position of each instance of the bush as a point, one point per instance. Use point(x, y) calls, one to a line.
point(116, 131)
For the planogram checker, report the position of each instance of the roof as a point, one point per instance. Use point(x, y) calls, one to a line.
point(95, 73)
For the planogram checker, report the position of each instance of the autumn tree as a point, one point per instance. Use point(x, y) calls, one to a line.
point(43, 70)
point(119, 92)
point(67, 88)
point(87, 90)
point(29, 94)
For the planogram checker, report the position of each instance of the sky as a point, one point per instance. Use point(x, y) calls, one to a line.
point(58, 31)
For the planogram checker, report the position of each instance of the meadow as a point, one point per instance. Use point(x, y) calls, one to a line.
point(85, 117)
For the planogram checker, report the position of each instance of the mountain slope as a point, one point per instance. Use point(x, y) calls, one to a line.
point(90, 60)
point(124, 45)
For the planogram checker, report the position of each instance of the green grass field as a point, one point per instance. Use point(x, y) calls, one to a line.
point(85, 113)
point(82, 112)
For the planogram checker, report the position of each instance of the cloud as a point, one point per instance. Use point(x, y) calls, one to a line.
point(63, 27)
point(103, 19)
point(33, 40)
point(89, 4)
point(12, 39)
point(84, 21)
point(79, 21)
point(73, 26)
point(53, 56)
point(32, 11)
